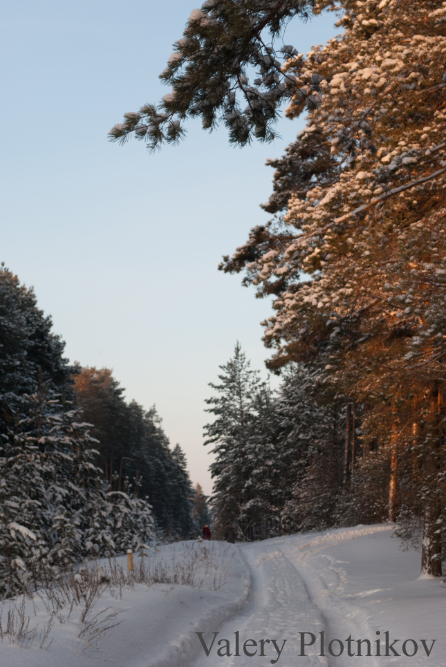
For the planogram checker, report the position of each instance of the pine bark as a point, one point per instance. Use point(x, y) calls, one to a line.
point(415, 442)
point(431, 551)
point(353, 437)
point(393, 484)
point(348, 428)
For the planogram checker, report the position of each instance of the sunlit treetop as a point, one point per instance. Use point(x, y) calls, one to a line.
point(208, 72)
point(359, 198)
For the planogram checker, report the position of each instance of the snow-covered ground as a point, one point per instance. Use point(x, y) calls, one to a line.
point(157, 623)
point(349, 582)
point(353, 582)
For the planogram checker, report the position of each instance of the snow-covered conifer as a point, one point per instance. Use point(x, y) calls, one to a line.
point(200, 512)
point(209, 73)
point(230, 435)
point(30, 353)
point(370, 235)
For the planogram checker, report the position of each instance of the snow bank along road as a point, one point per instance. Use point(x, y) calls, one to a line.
point(347, 583)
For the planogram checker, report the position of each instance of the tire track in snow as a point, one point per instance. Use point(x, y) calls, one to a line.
point(325, 580)
point(289, 596)
point(279, 608)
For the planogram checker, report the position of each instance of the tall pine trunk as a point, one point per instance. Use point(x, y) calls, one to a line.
point(393, 483)
point(431, 551)
point(353, 437)
point(348, 428)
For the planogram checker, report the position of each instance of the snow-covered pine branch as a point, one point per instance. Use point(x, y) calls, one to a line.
point(208, 74)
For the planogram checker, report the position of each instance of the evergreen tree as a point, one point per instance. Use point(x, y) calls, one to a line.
point(311, 451)
point(133, 525)
point(209, 70)
point(164, 478)
point(180, 495)
point(230, 434)
point(29, 352)
point(265, 488)
point(154, 451)
point(102, 400)
point(22, 508)
point(200, 511)
point(370, 235)
point(364, 220)
point(302, 466)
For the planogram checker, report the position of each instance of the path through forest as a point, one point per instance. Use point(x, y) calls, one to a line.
point(347, 583)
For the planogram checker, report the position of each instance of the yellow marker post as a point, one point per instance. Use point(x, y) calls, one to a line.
point(130, 553)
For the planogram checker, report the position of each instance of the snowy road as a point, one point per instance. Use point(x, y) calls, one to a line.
point(278, 608)
point(347, 583)
point(284, 604)
point(345, 586)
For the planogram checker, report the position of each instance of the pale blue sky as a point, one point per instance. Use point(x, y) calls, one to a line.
point(122, 246)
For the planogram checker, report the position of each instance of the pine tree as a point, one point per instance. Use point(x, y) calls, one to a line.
point(22, 508)
point(164, 477)
point(230, 434)
point(181, 495)
point(267, 448)
point(133, 526)
point(209, 69)
point(29, 352)
point(56, 508)
point(200, 511)
point(311, 446)
point(101, 398)
point(265, 490)
point(371, 238)
point(365, 221)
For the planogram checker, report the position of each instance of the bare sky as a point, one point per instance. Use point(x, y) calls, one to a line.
point(122, 246)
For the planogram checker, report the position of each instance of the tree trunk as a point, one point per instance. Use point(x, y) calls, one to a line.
point(431, 552)
point(414, 452)
point(415, 435)
point(120, 474)
point(111, 471)
point(348, 428)
point(353, 437)
point(393, 484)
point(333, 440)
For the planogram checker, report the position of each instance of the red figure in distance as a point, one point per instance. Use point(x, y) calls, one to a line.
point(207, 533)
